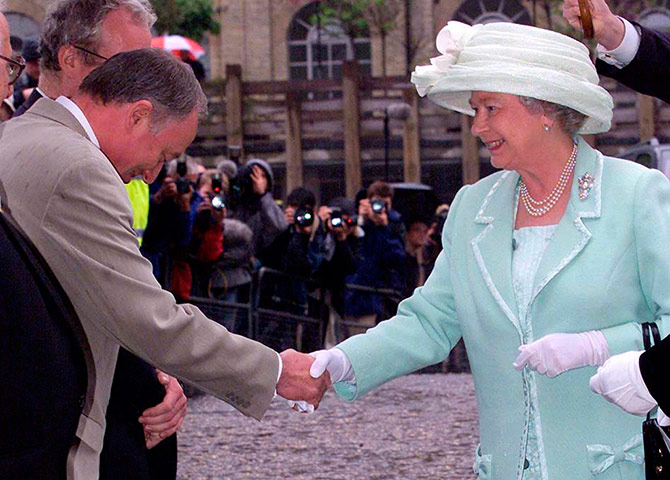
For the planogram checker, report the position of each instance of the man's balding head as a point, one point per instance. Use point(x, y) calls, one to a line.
point(144, 107)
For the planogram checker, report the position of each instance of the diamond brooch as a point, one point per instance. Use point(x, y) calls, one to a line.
point(585, 185)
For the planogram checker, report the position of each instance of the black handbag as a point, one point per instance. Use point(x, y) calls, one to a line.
point(656, 439)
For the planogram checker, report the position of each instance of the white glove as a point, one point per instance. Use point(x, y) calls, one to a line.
point(337, 364)
point(557, 353)
point(335, 361)
point(619, 380)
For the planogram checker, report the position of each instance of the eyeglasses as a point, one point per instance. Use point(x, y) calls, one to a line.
point(14, 67)
point(86, 50)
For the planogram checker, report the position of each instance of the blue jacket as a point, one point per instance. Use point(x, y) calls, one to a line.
point(380, 264)
point(607, 267)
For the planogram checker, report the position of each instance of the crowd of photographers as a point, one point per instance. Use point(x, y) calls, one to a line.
point(209, 231)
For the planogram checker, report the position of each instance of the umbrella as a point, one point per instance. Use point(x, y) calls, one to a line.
point(177, 43)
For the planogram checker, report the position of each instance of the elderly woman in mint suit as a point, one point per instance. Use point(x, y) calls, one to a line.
point(565, 246)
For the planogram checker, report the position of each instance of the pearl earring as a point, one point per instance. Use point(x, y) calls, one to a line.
point(547, 128)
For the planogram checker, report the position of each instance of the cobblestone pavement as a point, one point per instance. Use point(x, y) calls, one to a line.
point(416, 427)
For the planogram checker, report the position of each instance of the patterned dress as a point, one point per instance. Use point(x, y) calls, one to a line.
point(529, 246)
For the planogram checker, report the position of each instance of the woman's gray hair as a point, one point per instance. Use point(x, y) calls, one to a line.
point(148, 74)
point(569, 120)
point(78, 22)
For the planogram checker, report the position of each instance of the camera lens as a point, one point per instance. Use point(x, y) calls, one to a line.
point(303, 217)
point(378, 207)
point(218, 203)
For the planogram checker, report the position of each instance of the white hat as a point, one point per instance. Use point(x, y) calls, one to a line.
point(516, 59)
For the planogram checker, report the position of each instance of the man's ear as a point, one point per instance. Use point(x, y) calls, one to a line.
point(139, 114)
point(68, 58)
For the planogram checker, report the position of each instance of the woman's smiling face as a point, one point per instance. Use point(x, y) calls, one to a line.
point(506, 127)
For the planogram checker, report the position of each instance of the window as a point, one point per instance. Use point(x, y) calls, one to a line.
point(488, 11)
point(657, 18)
point(316, 51)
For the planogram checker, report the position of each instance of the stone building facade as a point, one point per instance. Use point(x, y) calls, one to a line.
point(256, 33)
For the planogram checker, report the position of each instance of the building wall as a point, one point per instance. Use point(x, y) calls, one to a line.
point(35, 9)
point(253, 34)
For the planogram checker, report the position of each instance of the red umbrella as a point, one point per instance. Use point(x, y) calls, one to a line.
point(177, 44)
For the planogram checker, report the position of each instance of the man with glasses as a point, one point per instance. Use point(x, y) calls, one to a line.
point(14, 65)
point(77, 37)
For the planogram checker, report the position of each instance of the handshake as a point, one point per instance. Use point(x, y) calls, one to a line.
point(306, 377)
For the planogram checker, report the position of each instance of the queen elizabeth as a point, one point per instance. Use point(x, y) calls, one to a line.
point(564, 245)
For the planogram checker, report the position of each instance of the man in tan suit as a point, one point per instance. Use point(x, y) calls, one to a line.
point(77, 36)
point(63, 165)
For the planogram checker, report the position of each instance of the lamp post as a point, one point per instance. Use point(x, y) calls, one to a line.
point(398, 111)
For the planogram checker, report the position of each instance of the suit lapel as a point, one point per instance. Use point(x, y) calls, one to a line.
point(572, 235)
point(492, 245)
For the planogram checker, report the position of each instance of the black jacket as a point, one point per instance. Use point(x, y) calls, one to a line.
point(649, 72)
point(45, 363)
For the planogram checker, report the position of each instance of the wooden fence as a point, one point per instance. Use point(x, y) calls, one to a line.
point(329, 134)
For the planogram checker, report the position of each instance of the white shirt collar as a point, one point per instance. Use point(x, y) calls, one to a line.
point(81, 118)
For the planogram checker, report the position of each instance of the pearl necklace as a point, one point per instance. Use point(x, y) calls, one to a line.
point(537, 208)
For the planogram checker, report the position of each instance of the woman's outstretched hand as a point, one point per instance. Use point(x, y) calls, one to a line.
point(557, 353)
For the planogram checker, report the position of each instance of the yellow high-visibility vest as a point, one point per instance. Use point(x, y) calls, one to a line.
point(138, 193)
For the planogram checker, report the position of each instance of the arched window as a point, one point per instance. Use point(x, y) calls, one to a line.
point(22, 26)
point(656, 18)
point(488, 11)
point(317, 48)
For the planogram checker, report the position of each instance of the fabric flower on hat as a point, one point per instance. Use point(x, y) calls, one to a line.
point(450, 42)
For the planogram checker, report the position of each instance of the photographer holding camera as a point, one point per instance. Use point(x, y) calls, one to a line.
point(296, 251)
point(207, 241)
point(381, 260)
point(341, 250)
point(251, 201)
point(171, 214)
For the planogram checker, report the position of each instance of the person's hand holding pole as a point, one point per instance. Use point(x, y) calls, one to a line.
point(608, 29)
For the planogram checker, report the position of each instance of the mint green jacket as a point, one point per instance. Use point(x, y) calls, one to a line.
point(606, 268)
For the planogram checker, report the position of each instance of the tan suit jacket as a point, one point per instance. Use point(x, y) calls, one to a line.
point(69, 199)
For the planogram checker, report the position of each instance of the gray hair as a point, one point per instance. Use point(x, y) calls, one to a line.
point(569, 120)
point(148, 74)
point(78, 22)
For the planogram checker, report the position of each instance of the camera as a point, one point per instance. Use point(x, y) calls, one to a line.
point(183, 184)
point(217, 184)
point(377, 205)
point(303, 217)
point(336, 219)
point(218, 203)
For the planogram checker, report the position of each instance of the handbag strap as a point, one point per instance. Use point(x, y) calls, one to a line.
point(648, 327)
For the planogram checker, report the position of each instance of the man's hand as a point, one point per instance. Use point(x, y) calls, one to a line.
point(608, 29)
point(289, 215)
point(324, 213)
point(259, 181)
point(168, 190)
point(166, 418)
point(296, 383)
